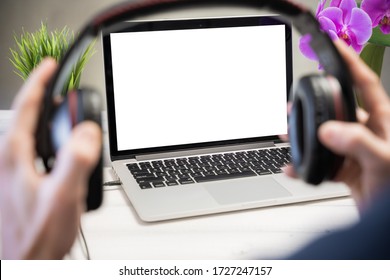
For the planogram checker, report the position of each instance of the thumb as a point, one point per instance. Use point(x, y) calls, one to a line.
point(79, 156)
point(349, 139)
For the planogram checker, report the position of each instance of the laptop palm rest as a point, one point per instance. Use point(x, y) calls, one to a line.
point(248, 190)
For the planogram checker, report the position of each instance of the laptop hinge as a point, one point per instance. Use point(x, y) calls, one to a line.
point(222, 149)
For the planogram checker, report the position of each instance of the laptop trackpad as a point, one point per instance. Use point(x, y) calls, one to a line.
point(247, 190)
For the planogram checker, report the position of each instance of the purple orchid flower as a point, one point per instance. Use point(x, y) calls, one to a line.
point(344, 20)
point(379, 12)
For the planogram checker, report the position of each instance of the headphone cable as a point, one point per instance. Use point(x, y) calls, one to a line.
point(84, 245)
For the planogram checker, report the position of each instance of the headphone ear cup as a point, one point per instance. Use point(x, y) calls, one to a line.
point(92, 110)
point(78, 106)
point(61, 125)
point(316, 99)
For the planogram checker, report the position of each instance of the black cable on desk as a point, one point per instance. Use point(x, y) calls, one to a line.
point(84, 242)
point(112, 183)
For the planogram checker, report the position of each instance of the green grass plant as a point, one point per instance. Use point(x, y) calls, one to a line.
point(31, 48)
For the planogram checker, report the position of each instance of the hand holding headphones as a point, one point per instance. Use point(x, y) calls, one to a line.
point(365, 145)
point(40, 213)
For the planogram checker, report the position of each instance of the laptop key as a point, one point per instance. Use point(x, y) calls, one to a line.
point(263, 172)
point(276, 170)
point(186, 181)
point(158, 184)
point(145, 186)
point(221, 172)
point(133, 166)
point(143, 176)
point(139, 174)
point(196, 174)
point(149, 180)
point(172, 183)
point(209, 178)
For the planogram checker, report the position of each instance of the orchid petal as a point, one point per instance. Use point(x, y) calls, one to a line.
point(360, 25)
point(335, 3)
point(320, 7)
point(333, 35)
point(385, 29)
point(353, 42)
point(305, 48)
point(346, 6)
point(376, 9)
point(333, 14)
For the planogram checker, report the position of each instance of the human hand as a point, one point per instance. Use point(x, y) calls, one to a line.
point(366, 144)
point(40, 213)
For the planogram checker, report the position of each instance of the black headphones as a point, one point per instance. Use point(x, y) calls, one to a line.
point(316, 98)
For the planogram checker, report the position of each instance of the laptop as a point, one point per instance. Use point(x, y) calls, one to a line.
point(195, 107)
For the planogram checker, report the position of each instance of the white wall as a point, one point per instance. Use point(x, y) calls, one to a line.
point(18, 14)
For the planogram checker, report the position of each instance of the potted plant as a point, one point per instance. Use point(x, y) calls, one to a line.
point(31, 48)
point(363, 25)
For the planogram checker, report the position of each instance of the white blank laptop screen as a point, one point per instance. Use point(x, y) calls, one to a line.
point(199, 85)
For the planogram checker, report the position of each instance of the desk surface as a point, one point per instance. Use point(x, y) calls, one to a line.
point(115, 232)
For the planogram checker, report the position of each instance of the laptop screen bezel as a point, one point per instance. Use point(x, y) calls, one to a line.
point(157, 25)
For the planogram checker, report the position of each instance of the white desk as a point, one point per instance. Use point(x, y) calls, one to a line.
point(115, 232)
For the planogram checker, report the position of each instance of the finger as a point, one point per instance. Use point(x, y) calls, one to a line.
point(362, 115)
point(367, 82)
point(350, 139)
point(77, 159)
point(284, 137)
point(289, 171)
point(289, 107)
point(28, 102)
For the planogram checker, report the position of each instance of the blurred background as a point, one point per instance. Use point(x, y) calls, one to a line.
point(16, 15)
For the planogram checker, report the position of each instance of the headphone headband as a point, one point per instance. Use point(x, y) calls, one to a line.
point(125, 11)
point(111, 18)
point(300, 16)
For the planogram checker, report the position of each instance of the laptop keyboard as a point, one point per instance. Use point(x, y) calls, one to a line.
point(198, 169)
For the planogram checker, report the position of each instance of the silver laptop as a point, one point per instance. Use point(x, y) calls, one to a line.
point(195, 108)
